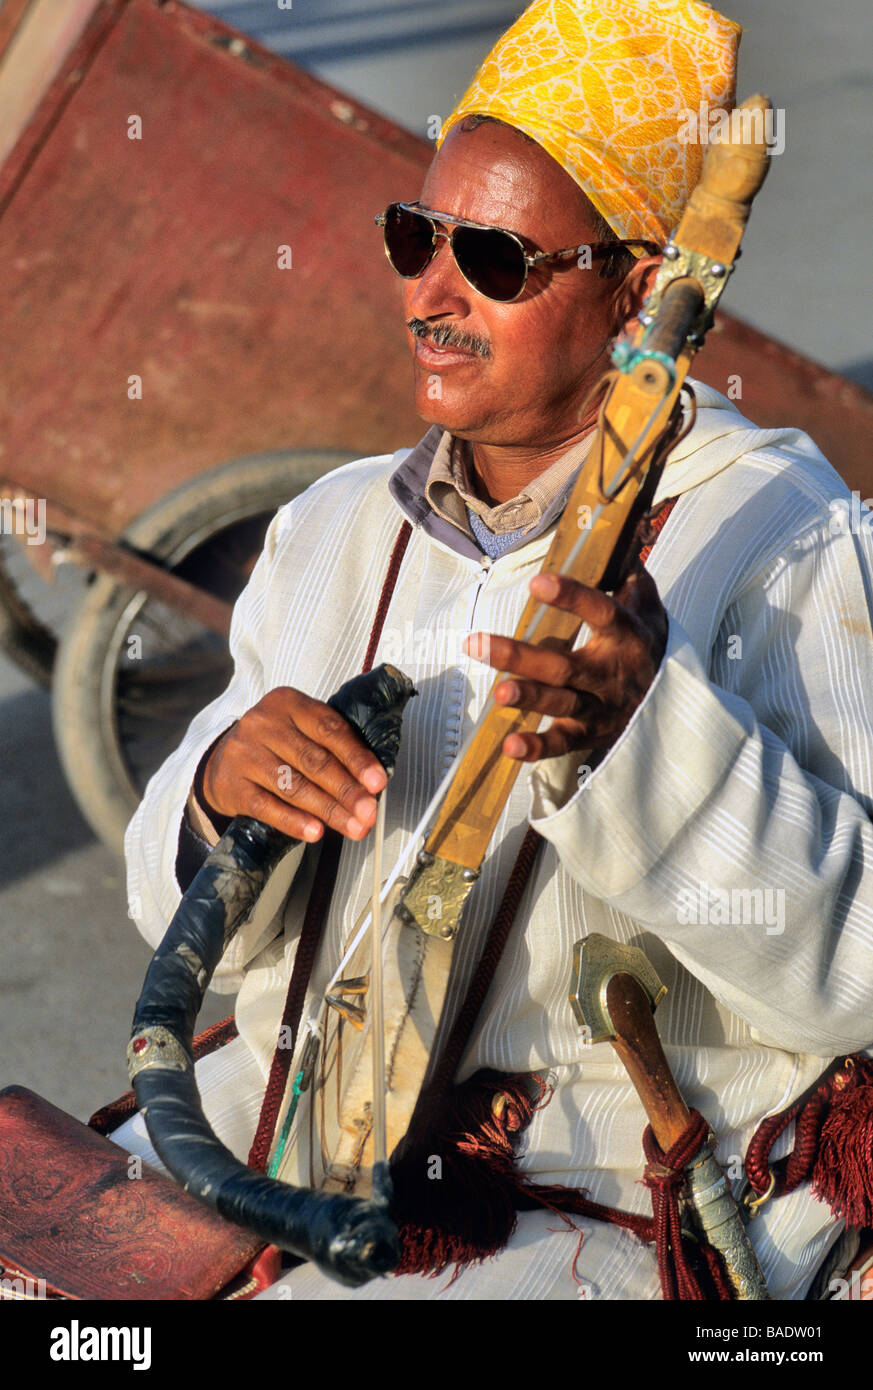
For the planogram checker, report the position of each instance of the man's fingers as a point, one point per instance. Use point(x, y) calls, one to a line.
point(331, 793)
point(275, 754)
point(593, 669)
point(275, 781)
point(352, 815)
point(590, 693)
point(564, 736)
point(534, 663)
point(559, 702)
point(595, 608)
point(327, 729)
point(263, 805)
point(305, 767)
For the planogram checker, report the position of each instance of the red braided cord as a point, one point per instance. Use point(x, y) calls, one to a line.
point(717, 1272)
point(802, 1158)
point(304, 960)
point(394, 564)
point(665, 1177)
point(810, 1111)
point(316, 912)
point(807, 1109)
point(655, 527)
point(211, 1039)
point(758, 1153)
point(572, 1199)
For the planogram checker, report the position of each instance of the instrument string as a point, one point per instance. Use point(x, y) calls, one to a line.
point(376, 1001)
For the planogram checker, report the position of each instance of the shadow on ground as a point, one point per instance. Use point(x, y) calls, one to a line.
point(40, 818)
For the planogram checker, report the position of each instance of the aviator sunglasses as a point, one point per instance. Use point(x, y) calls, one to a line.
point(491, 260)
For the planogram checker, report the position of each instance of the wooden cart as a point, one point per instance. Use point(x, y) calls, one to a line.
point(198, 321)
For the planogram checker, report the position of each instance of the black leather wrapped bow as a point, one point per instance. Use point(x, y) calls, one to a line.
point(350, 1238)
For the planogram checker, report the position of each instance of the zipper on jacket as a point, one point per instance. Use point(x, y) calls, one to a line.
point(486, 567)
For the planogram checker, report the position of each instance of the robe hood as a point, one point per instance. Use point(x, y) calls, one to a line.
point(719, 436)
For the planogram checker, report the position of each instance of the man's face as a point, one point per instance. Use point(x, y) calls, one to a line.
point(544, 350)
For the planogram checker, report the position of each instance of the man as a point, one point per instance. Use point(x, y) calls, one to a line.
point(725, 690)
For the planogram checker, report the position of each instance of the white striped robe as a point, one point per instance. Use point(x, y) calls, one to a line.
point(748, 766)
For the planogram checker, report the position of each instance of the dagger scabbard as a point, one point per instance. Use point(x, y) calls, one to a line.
point(614, 992)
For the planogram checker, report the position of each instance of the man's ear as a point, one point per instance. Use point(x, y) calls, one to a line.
point(632, 292)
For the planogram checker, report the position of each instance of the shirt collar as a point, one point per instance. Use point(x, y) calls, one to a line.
point(408, 485)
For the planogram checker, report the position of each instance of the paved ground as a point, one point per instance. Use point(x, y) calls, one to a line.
point(72, 966)
point(72, 962)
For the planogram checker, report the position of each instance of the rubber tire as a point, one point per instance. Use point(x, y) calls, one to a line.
point(23, 638)
point(88, 745)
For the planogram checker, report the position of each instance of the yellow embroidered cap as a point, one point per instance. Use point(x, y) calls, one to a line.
point(606, 86)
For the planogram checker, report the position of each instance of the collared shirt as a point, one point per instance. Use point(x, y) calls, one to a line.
point(408, 486)
point(450, 488)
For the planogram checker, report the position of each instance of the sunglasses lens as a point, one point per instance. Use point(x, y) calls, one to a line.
point(408, 240)
point(491, 260)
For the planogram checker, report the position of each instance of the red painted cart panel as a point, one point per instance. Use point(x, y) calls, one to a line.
point(158, 258)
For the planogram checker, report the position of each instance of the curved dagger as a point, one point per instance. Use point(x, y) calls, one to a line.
point(614, 993)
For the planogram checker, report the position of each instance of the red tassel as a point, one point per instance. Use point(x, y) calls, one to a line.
point(682, 1277)
point(462, 1174)
point(456, 1196)
point(843, 1172)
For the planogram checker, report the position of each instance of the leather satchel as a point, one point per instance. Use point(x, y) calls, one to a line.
point(80, 1219)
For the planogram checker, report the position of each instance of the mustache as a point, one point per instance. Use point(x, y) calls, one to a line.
point(442, 336)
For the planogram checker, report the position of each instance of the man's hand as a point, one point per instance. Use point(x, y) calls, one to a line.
point(295, 764)
point(591, 693)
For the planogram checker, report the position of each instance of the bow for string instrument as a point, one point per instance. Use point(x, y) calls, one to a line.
point(367, 1055)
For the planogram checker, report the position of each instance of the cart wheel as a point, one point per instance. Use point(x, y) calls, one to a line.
point(131, 672)
point(23, 637)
